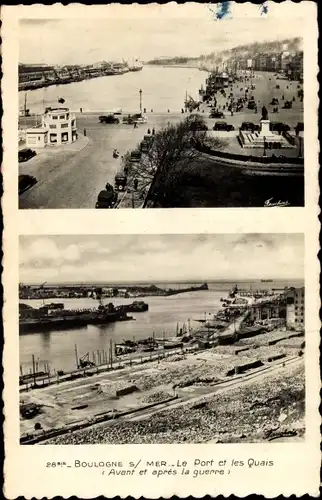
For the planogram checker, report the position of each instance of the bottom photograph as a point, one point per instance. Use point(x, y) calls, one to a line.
point(162, 338)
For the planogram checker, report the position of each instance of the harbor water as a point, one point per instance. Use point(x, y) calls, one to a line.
point(162, 88)
point(57, 347)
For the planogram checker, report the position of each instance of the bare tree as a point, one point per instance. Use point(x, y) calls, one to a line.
point(170, 152)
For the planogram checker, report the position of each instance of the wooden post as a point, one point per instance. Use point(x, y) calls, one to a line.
point(111, 352)
point(33, 368)
point(76, 356)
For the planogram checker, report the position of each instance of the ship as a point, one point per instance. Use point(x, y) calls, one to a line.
point(204, 286)
point(135, 307)
point(135, 66)
point(46, 319)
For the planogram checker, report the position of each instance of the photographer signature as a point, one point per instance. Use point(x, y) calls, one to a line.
point(279, 203)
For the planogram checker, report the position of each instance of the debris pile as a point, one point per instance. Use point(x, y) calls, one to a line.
point(272, 405)
point(156, 397)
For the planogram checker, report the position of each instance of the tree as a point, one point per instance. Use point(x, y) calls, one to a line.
point(170, 152)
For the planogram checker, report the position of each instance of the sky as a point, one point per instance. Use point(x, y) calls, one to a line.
point(152, 258)
point(149, 31)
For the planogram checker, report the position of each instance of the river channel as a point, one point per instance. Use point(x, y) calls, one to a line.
point(58, 347)
point(162, 88)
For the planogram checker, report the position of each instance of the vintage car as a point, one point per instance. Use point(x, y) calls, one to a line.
point(106, 198)
point(221, 125)
point(108, 119)
point(120, 181)
point(136, 118)
point(26, 182)
point(249, 126)
point(26, 154)
point(216, 114)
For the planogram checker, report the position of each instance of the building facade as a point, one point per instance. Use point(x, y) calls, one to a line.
point(61, 126)
point(295, 307)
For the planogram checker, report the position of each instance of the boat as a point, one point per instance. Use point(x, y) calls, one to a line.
point(136, 66)
point(47, 319)
point(136, 306)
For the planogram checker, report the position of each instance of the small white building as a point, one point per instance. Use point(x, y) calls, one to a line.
point(61, 125)
point(58, 127)
point(36, 137)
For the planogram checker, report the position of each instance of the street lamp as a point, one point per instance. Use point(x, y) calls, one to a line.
point(264, 146)
point(140, 92)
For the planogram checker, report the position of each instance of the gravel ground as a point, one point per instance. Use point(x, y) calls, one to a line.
point(255, 412)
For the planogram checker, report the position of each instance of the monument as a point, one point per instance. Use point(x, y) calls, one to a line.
point(264, 138)
point(265, 124)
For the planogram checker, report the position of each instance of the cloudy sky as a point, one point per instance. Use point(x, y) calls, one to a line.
point(134, 258)
point(148, 31)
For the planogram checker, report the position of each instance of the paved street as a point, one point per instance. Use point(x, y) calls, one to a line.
point(73, 175)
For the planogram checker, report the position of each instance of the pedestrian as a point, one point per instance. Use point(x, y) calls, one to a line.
point(81, 110)
point(135, 125)
point(168, 110)
point(85, 132)
point(144, 111)
point(231, 113)
point(153, 131)
point(135, 183)
point(149, 131)
point(151, 110)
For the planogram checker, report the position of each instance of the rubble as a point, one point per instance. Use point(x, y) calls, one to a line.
point(253, 415)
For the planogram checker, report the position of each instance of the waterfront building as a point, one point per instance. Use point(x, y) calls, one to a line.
point(58, 127)
point(61, 125)
point(295, 303)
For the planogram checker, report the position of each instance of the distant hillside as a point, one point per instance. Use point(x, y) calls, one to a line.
point(247, 50)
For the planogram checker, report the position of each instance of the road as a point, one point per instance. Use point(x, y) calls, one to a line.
point(72, 178)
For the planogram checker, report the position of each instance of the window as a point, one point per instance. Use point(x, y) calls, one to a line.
point(62, 117)
point(53, 126)
point(64, 137)
point(53, 137)
point(55, 117)
point(73, 123)
point(64, 125)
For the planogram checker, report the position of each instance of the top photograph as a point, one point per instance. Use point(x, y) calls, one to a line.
point(162, 106)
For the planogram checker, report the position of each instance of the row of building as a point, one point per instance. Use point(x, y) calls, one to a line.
point(290, 307)
point(32, 76)
point(291, 63)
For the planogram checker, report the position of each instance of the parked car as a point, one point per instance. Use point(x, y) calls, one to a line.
point(252, 127)
point(120, 181)
point(223, 126)
point(135, 156)
point(136, 118)
point(26, 154)
point(279, 127)
point(26, 182)
point(216, 114)
point(299, 127)
point(106, 198)
point(251, 105)
point(108, 119)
